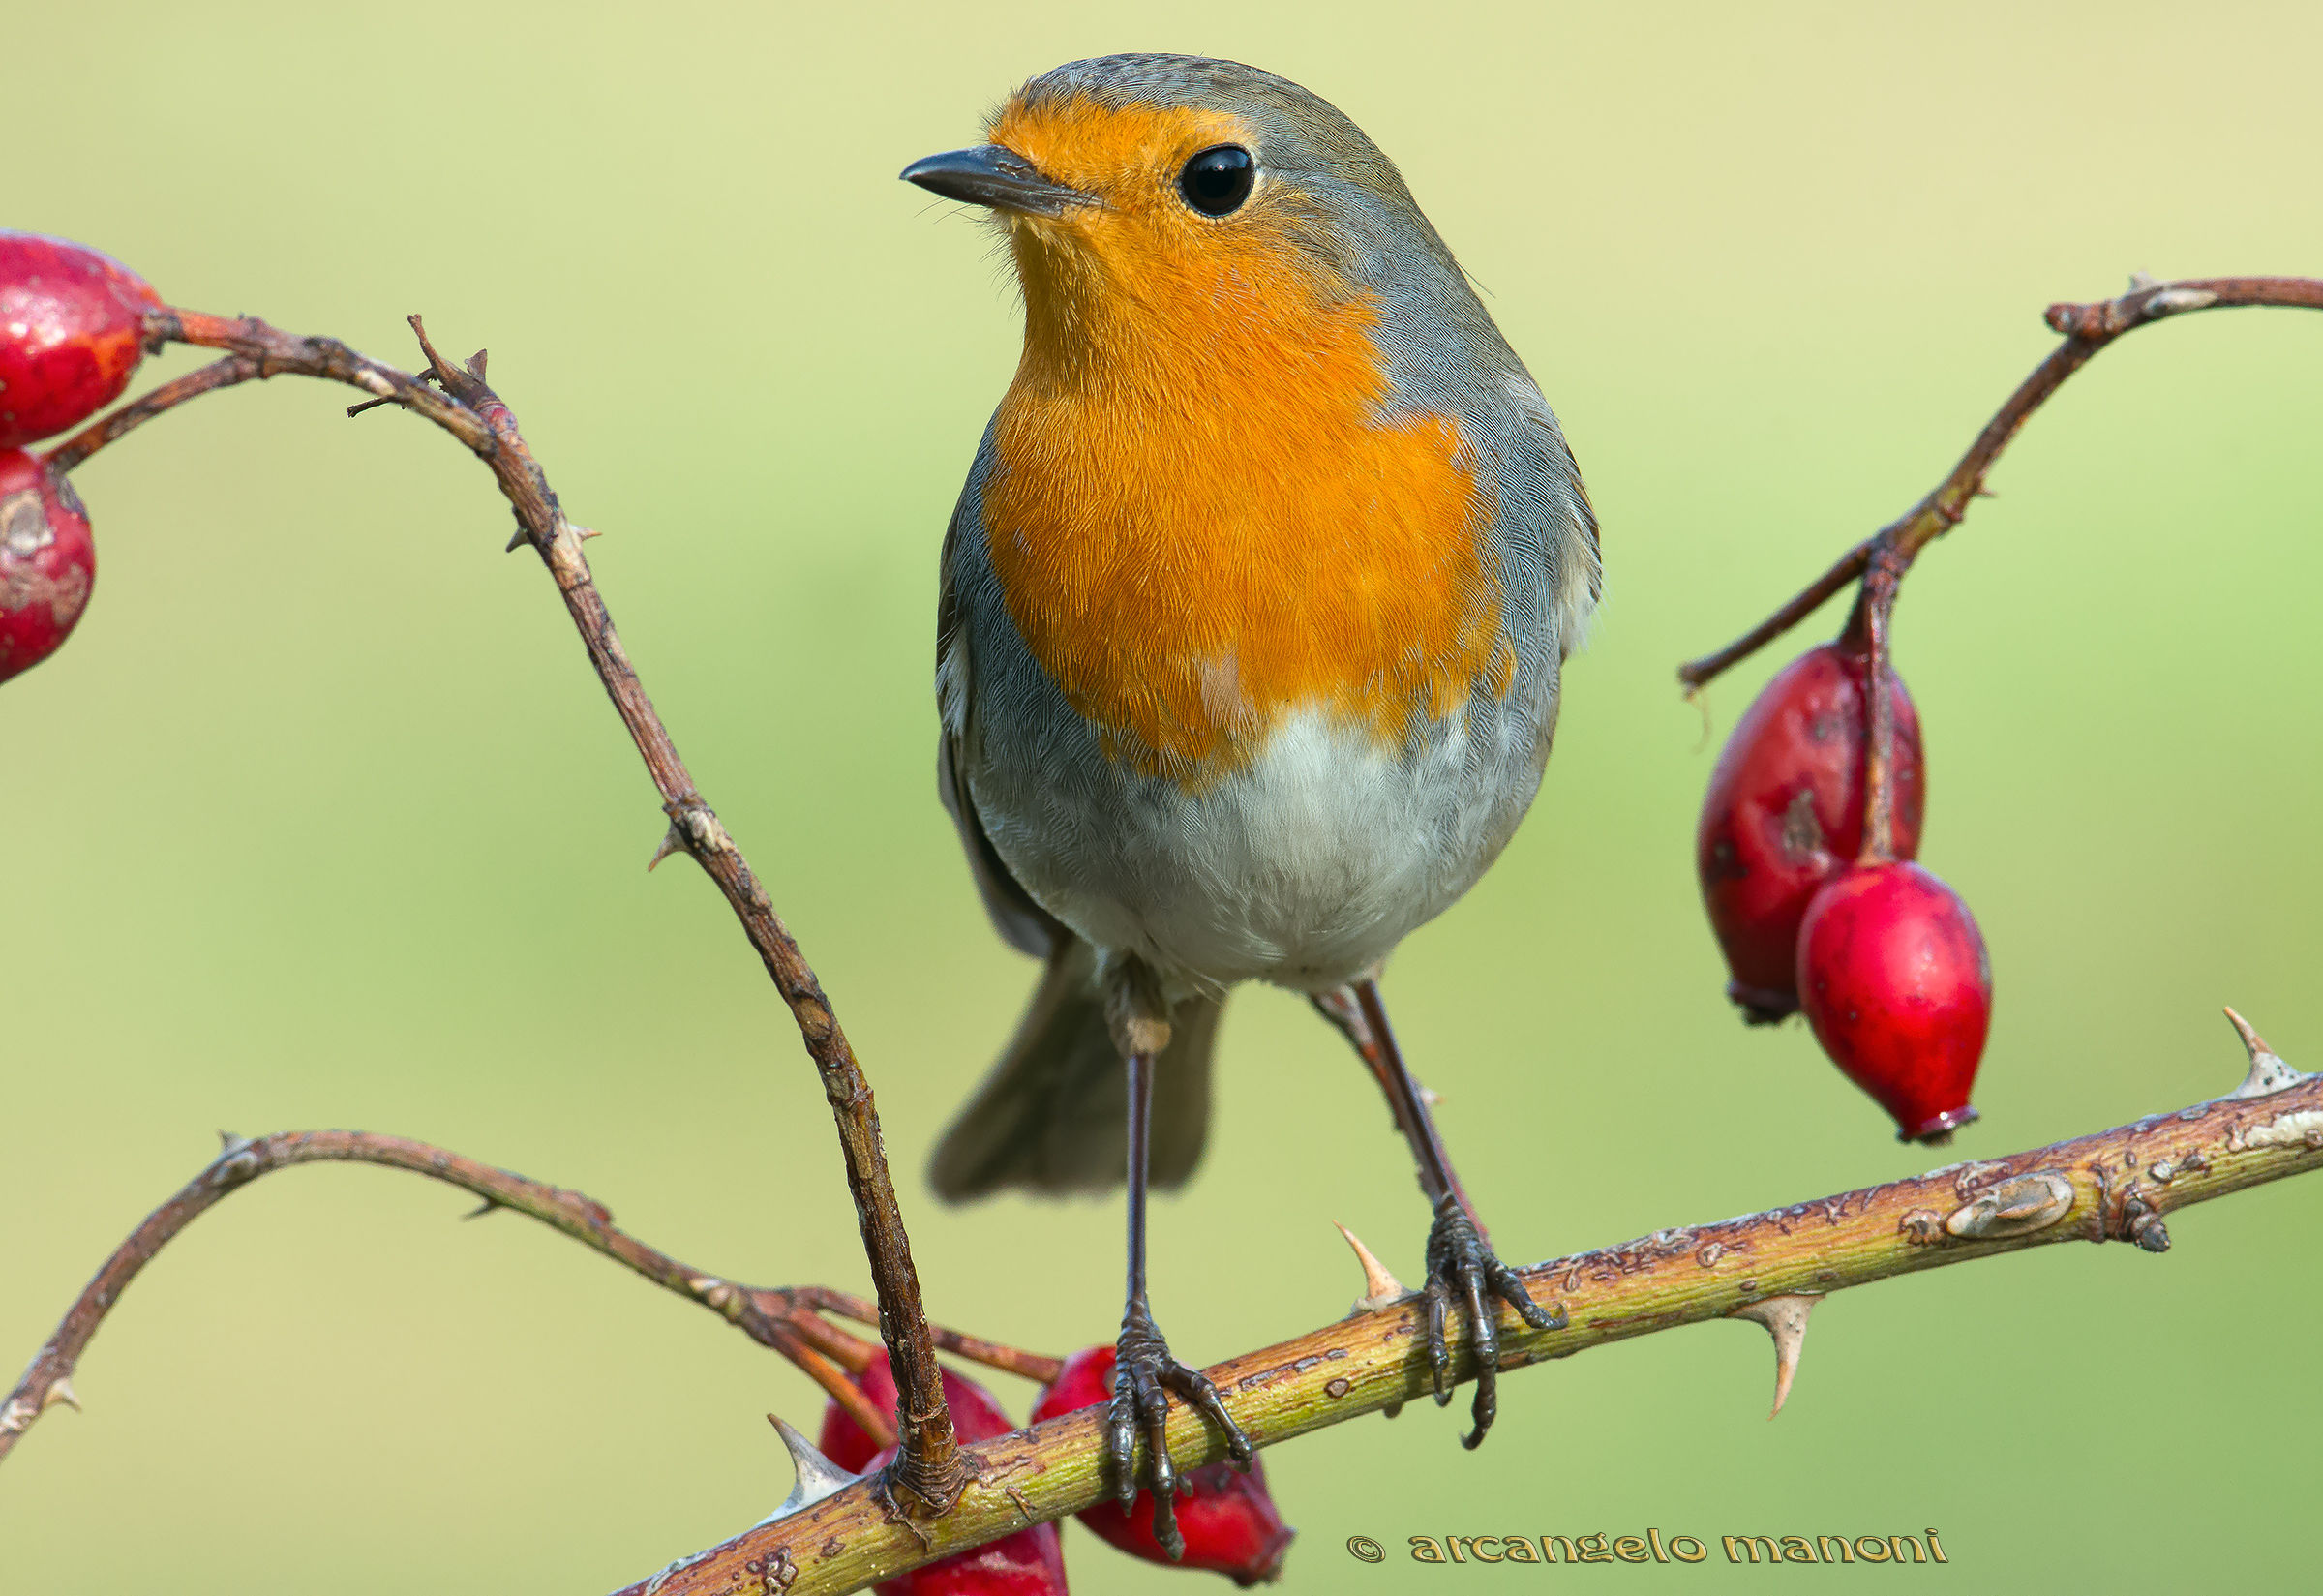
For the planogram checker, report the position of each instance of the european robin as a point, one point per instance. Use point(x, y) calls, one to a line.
point(1252, 619)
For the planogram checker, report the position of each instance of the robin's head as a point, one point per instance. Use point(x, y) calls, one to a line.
point(1161, 187)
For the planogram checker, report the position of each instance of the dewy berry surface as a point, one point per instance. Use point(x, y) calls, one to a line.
point(71, 331)
point(1894, 977)
point(1784, 813)
point(48, 561)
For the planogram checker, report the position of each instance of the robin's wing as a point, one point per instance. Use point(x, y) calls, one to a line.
point(1023, 924)
point(1586, 586)
point(1576, 569)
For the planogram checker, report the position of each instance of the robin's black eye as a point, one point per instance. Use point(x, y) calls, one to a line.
point(1218, 180)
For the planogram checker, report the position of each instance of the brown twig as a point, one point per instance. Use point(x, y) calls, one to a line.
point(2086, 329)
point(1698, 673)
point(1875, 610)
point(783, 1318)
point(928, 1474)
point(2113, 1185)
point(217, 374)
point(1009, 1359)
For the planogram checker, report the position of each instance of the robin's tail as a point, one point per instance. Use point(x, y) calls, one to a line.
point(1053, 1115)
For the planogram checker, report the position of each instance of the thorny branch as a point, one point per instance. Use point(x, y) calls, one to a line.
point(1768, 1268)
point(772, 1319)
point(786, 1318)
point(2086, 329)
point(1880, 562)
point(928, 1473)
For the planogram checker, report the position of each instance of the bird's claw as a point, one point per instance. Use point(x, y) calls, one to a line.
point(1144, 1374)
point(1463, 1270)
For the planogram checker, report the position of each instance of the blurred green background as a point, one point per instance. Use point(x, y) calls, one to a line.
point(322, 821)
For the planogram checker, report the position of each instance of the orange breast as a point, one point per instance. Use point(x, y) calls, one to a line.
point(1197, 525)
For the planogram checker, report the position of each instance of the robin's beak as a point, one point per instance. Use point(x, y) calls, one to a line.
point(997, 176)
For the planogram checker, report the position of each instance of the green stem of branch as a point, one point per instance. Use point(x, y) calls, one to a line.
point(2116, 1184)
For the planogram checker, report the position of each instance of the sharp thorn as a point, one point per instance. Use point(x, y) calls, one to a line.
point(475, 363)
point(671, 843)
point(1381, 1288)
point(2269, 1073)
point(2140, 281)
point(60, 1392)
point(2252, 1042)
point(1785, 1319)
point(584, 533)
point(436, 368)
point(228, 1142)
point(818, 1476)
point(483, 1208)
point(517, 539)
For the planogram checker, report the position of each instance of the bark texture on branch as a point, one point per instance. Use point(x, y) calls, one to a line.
point(928, 1473)
point(2114, 1186)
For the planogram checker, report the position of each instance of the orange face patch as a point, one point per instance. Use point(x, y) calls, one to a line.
point(1196, 521)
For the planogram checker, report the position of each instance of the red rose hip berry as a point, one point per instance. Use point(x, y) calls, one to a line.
point(1784, 813)
point(1227, 1517)
point(48, 561)
point(72, 332)
point(1893, 976)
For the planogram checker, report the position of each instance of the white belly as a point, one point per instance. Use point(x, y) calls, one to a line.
point(1303, 868)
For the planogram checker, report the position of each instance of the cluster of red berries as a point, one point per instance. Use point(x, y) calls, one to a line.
point(1227, 1517)
point(72, 332)
point(1885, 958)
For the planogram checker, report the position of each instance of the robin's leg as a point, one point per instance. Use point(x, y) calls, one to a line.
point(1144, 1371)
point(1461, 1270)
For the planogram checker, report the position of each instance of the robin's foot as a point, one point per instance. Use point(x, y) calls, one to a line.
point(1144, 1374)
point(1461, 1270)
